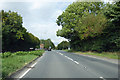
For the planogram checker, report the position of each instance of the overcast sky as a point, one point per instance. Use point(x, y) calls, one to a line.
point(39, 16)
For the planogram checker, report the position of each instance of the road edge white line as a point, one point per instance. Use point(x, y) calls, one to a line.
point(27, 70)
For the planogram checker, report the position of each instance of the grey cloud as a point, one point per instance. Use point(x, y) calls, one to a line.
point(39, 21)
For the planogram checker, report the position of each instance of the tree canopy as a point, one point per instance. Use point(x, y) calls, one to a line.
point(75, 17)
point(91, 26)
point(47, 43)
point(63, 45)
point(14, 36)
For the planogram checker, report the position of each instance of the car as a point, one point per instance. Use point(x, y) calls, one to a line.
point(49, 49)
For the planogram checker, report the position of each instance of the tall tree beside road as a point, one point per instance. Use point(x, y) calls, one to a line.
point(112, 12)
point(88, 26)
point(72, 20)
point(14, 36)
point(77, 24)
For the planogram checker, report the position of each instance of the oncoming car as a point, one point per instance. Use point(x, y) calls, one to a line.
point(49, 49)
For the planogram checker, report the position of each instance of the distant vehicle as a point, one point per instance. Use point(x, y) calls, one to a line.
point(49, 49)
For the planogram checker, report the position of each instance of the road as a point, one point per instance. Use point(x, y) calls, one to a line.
point(61, 64)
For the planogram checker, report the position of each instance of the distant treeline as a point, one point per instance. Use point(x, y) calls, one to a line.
point(14, 36)
point(63, 45)
point(47, 43)
point(91, 26)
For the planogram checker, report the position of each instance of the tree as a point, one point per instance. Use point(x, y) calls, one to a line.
point(14, 36)
point(112, 32)
point(12, 29)
point(31, 41)
point(80, 21)
point(63, 45)
point(47, 43)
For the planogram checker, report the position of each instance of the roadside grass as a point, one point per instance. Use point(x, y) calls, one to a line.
point(66, 50)
point(111, 55)
point(17, 60)
point(12, 64)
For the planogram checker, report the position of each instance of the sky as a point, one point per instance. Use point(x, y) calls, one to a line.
point(39, 16)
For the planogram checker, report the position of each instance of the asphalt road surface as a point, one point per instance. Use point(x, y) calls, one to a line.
point(61, 64)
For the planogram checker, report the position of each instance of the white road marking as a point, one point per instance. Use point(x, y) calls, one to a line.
point(102, 78)
point(34, 64)
point(76, 62)
point(60, 53)
point(67, 57)
point(27, 70)
point(70, 58)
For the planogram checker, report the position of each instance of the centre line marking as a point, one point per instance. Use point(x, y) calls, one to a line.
point(72, 59)
point(102, 78)
point(66, 56)
point(76, 62)
point(60, 53)
point(69, 58)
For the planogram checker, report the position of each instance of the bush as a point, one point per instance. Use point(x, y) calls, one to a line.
point(6, 54)
point(36, 53)
point(20, 53)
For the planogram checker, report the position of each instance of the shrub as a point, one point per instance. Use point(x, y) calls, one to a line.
point(6, 54)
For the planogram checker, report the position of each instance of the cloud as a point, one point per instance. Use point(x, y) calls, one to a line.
point(39, 18)
point(37, 0)
point(38, 4)
point(1, 5)
point(45, 31)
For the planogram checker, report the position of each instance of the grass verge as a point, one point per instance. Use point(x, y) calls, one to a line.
point(111, 55)
point(17, 60)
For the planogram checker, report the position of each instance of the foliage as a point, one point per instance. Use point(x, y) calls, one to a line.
point(10, 60)
point(63, 45)
point(9, 54)
point(111, 55)
point(14, 35)
point(47, 43)
point(6, 54)
point(10, 64)
point(75, 17)
point(91, 26)
point(112, 12)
